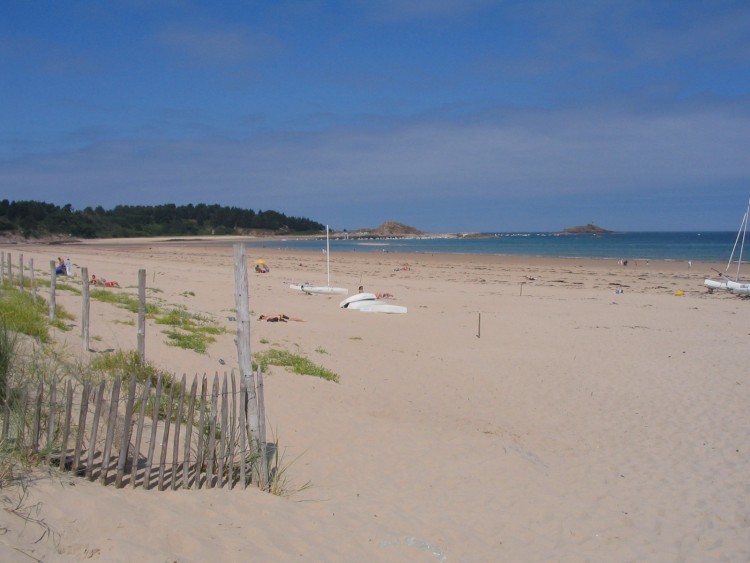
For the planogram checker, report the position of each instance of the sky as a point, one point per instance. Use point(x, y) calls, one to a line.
point(445, 115)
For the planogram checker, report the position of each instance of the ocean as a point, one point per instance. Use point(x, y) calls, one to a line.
point(706, 247)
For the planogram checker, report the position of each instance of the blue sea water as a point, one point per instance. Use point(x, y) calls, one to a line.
point(707, 247)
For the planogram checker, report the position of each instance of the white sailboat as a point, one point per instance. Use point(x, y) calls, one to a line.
point(726, 283)
point(320, 289)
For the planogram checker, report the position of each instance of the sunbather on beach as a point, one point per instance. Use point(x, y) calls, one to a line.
point(101, 281)
point(280, 318)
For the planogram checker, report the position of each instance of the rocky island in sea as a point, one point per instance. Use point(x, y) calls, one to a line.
point(589, 229)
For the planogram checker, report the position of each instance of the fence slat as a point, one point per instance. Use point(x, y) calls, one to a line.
point(21, 430)
point(201, 432)
point(189, 435)
point(114, 405)
point(243, 433)
point(98, 400)
point(125, 438)
point(224, 435)
point(212, 433)
point(66, 425)
point(232, 425)
point(6, 418)
point(139, 433)
point(154, 425)
point(177, 427)
point(37, 418)
point(165, 438)
point(82, 413)
point(52, 418)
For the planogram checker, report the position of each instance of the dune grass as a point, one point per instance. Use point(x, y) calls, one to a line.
point(191, 331)
point(295, 362)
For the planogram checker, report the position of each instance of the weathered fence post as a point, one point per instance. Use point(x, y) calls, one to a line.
point(52, 281)
point(20, 272)
point(86, 309)
point(32, 281)
point(142, 315)
point(10, 271)
point(2, 267)
point(242, 302)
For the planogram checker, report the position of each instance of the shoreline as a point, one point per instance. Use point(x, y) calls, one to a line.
point(259, 243)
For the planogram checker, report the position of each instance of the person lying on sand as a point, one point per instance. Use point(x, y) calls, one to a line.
point(280, 318)
point(385, 296)
point(101, 281)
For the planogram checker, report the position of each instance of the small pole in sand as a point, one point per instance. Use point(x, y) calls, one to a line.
point(141, 340)
point(86, 304)
point(521, 292)
point(52, 282)
point(479, 325)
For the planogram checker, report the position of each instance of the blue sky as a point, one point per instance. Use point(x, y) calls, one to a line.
point(466, 115)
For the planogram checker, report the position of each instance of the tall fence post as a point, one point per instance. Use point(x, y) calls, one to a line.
point(2, 268)
point(86, 307)
point(10, 271)
point(242, 302)
point(20, 272)
point(32, 280)
point(52, 282)
point(142, 316)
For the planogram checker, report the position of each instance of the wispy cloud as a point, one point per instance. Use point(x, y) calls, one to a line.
point(216, 45)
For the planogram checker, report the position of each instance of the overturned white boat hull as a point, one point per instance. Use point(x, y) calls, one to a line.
point(369, 303)
point(319, 289)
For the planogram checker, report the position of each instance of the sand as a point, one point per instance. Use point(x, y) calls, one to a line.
point(522, 410)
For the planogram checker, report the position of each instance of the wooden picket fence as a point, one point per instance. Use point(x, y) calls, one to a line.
point(157, 436)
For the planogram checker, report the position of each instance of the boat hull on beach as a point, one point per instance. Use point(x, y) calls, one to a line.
point(369, 303)
point(319, 289)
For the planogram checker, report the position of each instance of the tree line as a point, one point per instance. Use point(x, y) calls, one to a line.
point(35, 219)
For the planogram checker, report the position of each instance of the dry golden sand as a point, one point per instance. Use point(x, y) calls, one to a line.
point(580, 424)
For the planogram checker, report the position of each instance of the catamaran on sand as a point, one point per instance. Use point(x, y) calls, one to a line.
point(322, 289)
point(725, 282)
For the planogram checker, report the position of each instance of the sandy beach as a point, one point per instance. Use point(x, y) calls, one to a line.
point(522, 410)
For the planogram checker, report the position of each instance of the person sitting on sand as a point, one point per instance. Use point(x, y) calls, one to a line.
point(60, 266)
point(280, 318)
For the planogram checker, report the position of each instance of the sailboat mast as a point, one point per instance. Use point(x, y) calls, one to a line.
point(328, 258)
point(743, 227)
point(744, 232)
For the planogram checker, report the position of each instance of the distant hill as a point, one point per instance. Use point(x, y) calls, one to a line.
point(589, 229)
point(392, 228)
